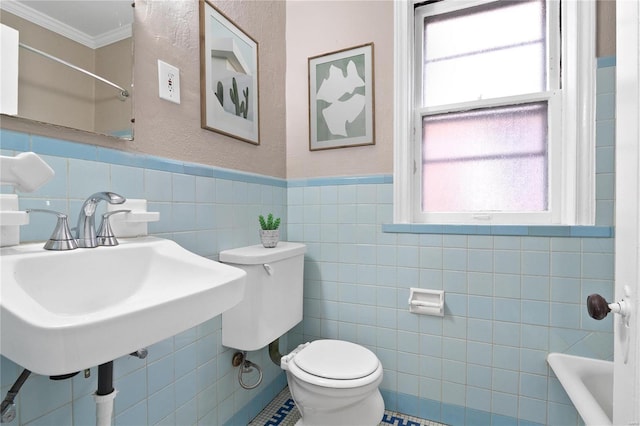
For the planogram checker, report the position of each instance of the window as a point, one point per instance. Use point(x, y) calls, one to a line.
point(494, 114)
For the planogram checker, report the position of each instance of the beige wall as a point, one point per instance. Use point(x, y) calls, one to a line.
point(115, 63)
point(53, 93)
point(169, 30)
point(49, 91)
point(315, 27)
point(606, 37)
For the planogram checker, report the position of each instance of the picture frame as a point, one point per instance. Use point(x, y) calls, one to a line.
point(229, 91)
point(342, 98)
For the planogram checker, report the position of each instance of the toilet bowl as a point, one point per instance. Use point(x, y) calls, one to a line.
point(334, 382)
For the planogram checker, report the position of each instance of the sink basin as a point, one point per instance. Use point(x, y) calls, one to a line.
point(64, 311)
point(589, 384)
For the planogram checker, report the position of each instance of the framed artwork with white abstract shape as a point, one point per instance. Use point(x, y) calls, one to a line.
point(341, 99)
point(228, 77)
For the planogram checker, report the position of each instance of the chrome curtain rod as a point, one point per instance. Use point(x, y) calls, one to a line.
point(123, 92)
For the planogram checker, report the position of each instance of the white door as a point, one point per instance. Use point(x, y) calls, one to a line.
point(626, 406)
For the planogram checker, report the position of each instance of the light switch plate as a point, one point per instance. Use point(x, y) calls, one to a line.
point(169, 82)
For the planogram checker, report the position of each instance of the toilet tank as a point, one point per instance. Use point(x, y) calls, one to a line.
point(272, 303)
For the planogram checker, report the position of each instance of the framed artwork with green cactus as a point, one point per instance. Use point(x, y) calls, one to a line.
point(228, 77)
point(341, 98)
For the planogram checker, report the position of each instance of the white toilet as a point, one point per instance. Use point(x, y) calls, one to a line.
point(332, 381)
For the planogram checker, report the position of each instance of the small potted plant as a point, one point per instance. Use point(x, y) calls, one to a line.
point(269, 232)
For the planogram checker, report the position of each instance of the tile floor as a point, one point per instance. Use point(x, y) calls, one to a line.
point(282, 412)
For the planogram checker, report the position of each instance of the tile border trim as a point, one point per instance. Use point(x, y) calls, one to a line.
point(502, 230)
point(10, 140)
point(606, 61)
point(340, 180)
point(18, 141)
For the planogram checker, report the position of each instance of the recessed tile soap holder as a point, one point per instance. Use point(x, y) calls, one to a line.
point(426, 302)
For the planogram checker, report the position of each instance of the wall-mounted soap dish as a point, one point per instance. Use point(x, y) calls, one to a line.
point(10, 220)
point(133, 223)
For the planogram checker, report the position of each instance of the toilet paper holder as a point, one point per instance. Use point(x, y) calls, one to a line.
point(426, 302)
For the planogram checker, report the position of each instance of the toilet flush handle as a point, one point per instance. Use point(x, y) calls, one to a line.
point(268, 268)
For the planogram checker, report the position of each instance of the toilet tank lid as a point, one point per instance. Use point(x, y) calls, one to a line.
point(256, 255)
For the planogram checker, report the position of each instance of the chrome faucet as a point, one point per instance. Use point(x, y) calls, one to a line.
point(86, 231)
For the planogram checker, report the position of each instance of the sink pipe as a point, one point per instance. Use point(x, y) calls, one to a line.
point(8, 409)
point(105, 394)
point(246, 366)
point(274, 352)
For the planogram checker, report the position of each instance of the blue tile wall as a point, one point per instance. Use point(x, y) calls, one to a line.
point(186, 379)
point(513, 294)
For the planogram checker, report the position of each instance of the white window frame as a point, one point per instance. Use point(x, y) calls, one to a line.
point(572, 170)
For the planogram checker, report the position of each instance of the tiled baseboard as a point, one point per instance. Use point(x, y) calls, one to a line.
point(282, 412)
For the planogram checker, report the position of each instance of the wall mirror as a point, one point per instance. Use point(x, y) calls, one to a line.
point(75, 63)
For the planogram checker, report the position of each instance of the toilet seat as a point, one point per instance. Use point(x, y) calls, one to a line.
point(332, 349)
point(336, 359)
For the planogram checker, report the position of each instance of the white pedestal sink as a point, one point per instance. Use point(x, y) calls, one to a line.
point(64, 311)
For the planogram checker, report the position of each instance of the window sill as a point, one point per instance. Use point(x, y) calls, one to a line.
point(502, 230)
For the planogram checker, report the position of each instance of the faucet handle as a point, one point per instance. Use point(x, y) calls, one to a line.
point(61, 238)
point(105, 233)
point(86, 231)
